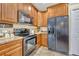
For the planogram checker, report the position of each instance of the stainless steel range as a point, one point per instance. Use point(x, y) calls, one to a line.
point(29, 42)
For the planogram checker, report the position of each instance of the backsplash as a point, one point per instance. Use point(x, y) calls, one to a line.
point(16, 26)
point(6, 26)
point(23, 26)
point(28, 26)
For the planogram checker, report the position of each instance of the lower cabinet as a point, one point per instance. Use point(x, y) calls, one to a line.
point(15, 52)
point(13, 48)
point(44, 39)
point(38, 40)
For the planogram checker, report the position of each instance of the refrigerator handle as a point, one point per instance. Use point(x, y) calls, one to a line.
point(49, 30)
point(53, 30)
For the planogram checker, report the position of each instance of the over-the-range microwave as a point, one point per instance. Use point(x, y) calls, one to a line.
point(24, 18)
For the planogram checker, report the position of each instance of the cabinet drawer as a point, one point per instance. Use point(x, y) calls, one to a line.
point(15, 52)
point(2, 52)
point(9, 44)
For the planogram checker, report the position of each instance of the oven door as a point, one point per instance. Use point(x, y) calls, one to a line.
point(29, 45)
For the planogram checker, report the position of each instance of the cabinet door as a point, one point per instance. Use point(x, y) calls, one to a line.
point(38, 40)
point(44, 40)
point(61, 10)
point(0, 12)
point(39, 18)
point(11, 46)
point(51, 12)
point(28, 9)
point(35, 18)
point(44, 19)
point(15, 52)
point(9, 12)
point(20, 6)
point(33, 11)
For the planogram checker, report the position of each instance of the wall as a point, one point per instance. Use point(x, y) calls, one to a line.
point(73, 35)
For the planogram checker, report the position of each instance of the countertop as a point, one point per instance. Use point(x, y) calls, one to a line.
point(41, 33)
point(6, 40)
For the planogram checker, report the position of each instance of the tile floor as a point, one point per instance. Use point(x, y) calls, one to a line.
point(43, 51)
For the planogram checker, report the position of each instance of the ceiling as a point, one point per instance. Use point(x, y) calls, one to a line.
point(43, 6)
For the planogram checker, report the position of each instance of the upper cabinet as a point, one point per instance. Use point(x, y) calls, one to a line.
point(25, 7)
point(9, 12)
point(61, 10)
point(30, 10)
point(20, 6)
point(42, 19)
point(51, 11)
point(58, 10)
point(35, 18)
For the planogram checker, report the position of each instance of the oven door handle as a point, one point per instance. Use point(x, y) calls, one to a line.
point(26, 39)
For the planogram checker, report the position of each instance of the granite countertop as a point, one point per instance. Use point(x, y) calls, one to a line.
point(5, 40)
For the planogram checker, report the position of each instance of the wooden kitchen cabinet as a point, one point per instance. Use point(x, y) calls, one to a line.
point(51, 12)
point(26, 9)
point(44, 40)
point(35, 18)
point(58, 10)
point(42, 19)
point(9, 12)
point(20, 6)
point(61, 9)
point(13, 48)
point(15, 52)
point(39, 40)
point(33, 12)
point(39, 18)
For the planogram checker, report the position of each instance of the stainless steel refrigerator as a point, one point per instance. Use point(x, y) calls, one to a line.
point(58, 34)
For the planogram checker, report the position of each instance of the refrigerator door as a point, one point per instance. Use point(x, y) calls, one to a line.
point(51, 34)
point(62, 34)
